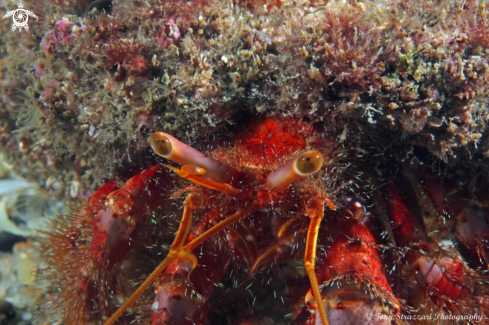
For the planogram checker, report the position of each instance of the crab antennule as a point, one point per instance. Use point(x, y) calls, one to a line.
point(296, 169)
point(209, 183)
point(171, 148)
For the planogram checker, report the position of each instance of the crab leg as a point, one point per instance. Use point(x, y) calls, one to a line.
point(296, 169)
point(178, 251)
point(174, 253)
point(356, 290)
point(444, 278)
point(315, 211)
point(241, 214)
point(151, 278)
point(185, 224)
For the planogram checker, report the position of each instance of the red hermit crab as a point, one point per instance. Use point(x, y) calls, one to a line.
point(267, 184)
point(253, 201)
point(257, 200)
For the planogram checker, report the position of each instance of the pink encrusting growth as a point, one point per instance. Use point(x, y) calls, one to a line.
point(59, 36)
point(197, 63)
point(349, 48)
point(128, 57)
point(169, 34)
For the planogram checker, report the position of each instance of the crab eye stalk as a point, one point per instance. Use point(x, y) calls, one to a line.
point(296, 169)
point(172, 149)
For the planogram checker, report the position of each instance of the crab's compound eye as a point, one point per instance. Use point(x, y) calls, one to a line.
point(161, 144)
point(309, 162)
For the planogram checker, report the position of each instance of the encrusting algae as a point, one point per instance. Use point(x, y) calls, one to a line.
point(85, 87)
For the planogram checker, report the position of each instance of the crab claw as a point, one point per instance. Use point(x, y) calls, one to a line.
point(356, 289)
point(350, 304)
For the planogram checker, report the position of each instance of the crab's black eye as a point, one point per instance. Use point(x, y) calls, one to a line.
point(160, 144)
point(309, 162)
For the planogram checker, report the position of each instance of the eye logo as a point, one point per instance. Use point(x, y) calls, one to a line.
point(20, 17)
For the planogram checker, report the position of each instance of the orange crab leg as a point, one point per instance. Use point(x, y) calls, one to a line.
point(151, 278)
point(240, 214)
point(287, 225)
point(265, 256)
point(185, 224)
point(315, 211)
point(174, 253)
point(179, 251)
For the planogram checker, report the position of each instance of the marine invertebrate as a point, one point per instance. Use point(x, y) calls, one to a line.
point(59, 36)
point(244, 203)
point(409, 77)
point(449, 277)
point(169, 34)
point(444, 279)
point(465, 214)
point(255, 191)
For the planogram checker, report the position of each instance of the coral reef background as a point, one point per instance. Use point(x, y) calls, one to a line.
point(82, 90)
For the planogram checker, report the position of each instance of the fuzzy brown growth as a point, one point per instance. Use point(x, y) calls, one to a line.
point(348, 49)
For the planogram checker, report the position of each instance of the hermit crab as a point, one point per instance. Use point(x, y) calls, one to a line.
point(257, 200)
point(269, 175)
